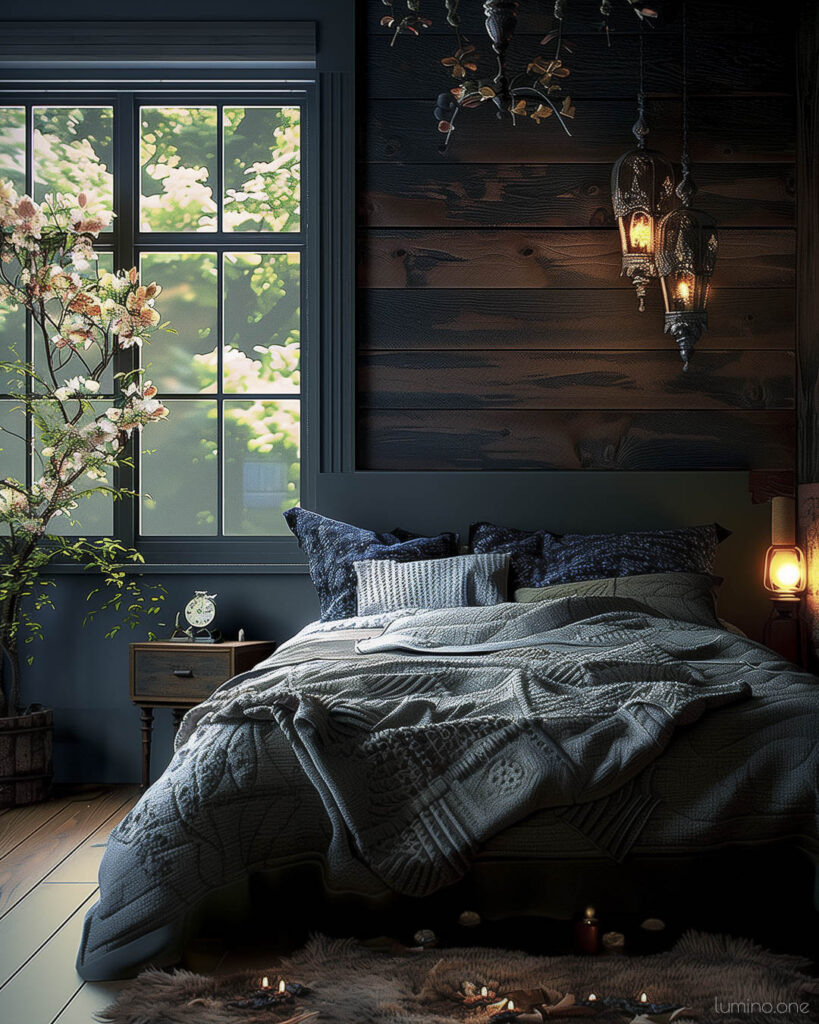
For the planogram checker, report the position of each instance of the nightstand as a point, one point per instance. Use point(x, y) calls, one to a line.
point(182, 675)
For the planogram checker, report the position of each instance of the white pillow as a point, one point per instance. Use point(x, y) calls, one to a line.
point(386, 586)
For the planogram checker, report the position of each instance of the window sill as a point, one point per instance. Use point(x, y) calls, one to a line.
point(190, 569)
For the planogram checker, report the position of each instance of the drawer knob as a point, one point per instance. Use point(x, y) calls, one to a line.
point(183, 673)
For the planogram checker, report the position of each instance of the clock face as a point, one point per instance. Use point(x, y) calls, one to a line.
point(200, 611)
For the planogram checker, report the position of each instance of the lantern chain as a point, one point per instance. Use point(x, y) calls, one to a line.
point(686, 188)
point(640, 128)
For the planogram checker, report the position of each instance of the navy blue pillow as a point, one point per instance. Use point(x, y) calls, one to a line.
point(332, 548)
point(539, 558)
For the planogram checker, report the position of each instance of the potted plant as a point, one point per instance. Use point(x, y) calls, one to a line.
point(70, 439)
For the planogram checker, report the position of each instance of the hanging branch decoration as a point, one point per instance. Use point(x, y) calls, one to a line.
point(534, 92)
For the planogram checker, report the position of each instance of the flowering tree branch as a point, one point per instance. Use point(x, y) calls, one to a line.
point(48, 267)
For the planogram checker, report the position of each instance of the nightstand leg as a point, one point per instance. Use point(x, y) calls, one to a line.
point(178, 715)
point(147, 716)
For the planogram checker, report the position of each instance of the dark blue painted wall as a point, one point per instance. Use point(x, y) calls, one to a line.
point(84, 677)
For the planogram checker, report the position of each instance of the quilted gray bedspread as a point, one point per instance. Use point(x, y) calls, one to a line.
point(395, 750)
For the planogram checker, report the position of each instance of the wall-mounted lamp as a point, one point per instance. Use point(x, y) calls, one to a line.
point(785, 561)
point(785, 576)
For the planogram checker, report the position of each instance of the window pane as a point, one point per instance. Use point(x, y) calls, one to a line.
point(262, 155)
point(68, 362)
point(178, 160)
point(13, 147)
point(12, 337)
point(184, 362)
point(94, 514)
point(262, 441)
point(179, 472)
point(74, 152)
point(12, 449)
point(262, 323)
point(13, 454)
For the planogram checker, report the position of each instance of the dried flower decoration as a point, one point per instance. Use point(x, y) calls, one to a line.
point(461, 63)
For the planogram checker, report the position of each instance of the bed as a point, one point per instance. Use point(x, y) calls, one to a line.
point(407, 752)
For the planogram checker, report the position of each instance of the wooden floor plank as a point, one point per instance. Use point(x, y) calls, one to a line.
point(21, 822)
point(43, 851)
point(26, 928)
point(88, 1001)
point(48, 982)
point(83, 864)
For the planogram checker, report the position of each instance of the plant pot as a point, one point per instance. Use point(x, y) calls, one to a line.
point(25, 757)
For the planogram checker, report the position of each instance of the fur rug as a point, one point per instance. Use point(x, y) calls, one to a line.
point(353, 985)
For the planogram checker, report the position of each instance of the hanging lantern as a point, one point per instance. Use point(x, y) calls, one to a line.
point(686, 248)
point(686, 258)
point(642, 190)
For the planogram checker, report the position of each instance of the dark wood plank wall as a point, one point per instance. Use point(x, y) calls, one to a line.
point(494, 330)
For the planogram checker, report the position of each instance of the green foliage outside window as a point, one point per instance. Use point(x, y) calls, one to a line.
point(73, 149)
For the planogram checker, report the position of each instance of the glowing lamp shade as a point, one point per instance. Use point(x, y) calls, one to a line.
point(785, 569)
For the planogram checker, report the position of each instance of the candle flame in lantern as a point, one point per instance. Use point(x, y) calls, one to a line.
point(683, 291)
point(510, 1005)
point(643, 997)
point(282, 987)
point(589, 913)
point(484, 991)
point(265, 982)
point(592, 997)
point(640, 232)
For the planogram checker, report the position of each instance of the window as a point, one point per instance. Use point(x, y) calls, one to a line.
point(211, 202)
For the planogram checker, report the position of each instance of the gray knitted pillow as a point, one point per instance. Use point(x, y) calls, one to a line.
point(386, 586)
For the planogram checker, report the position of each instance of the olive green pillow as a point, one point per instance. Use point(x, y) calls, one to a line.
point(689, 596)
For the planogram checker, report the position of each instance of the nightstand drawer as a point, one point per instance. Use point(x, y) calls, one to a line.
point(188, 674)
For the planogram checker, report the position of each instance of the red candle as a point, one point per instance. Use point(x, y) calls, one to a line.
point(587, 933)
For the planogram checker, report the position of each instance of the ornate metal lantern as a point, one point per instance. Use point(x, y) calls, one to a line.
point(642, 190)
point(686, 258)
point(686, 249)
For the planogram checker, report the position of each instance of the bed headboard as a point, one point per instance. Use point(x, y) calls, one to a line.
point(604, 502)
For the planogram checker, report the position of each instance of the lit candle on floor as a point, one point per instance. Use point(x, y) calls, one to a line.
point(587, 933)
